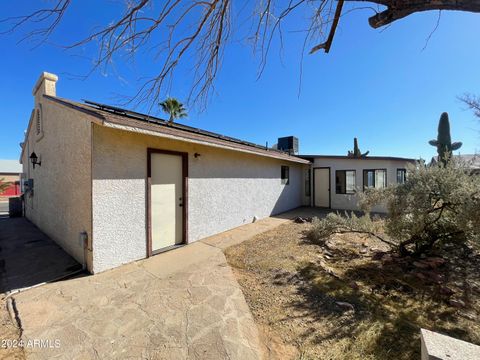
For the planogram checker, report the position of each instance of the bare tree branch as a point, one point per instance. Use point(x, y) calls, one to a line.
point(397, 10)
point(195, 33)
point(473, 103)
point(326, 45)
point(433, 31)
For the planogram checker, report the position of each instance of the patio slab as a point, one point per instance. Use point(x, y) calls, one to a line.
point(181, 304)
point(151, 309)
point(245, 232)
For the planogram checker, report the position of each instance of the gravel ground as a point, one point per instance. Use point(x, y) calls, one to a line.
point(338, 301)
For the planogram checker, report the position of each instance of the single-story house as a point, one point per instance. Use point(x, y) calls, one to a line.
point(113, 186)
point(336, 180)
point(10, 171)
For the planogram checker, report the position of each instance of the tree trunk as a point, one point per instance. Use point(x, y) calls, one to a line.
point(402, 247)
point(399, 9)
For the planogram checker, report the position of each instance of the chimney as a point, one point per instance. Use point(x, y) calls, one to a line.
point(45, 86)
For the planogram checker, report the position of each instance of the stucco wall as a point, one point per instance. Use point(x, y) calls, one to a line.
point(61, 201)
point(225, 189)
point(350, 202)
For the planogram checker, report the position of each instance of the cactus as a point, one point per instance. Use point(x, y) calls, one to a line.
point(356, 153)
point(444, 143)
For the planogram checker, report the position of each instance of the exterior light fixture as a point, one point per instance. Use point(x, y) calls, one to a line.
point(34, 160)
point(196, 155)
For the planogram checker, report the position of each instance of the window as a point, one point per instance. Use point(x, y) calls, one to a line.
point(285, 175)
point(375, 178)
point(345, 181)
point(401, 176)
point(308, 179)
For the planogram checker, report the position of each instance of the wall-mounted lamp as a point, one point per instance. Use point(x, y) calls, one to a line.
point(196, 155)
point(34, 160)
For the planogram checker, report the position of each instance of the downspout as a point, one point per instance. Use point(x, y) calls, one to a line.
point(84, 244)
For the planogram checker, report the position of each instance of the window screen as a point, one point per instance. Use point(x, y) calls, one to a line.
point(376, 178)
point(401, 176)
point(285, 176)
point(345, 181)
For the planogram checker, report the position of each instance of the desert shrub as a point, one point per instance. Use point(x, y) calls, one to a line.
point(436, 205)
point(336, 223)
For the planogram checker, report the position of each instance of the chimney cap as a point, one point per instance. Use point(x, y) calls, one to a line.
point(44, 76)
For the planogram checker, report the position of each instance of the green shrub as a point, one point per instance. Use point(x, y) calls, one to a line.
point(436, 205)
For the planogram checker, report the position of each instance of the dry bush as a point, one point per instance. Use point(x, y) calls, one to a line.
point(436, 205)
point(335, 223)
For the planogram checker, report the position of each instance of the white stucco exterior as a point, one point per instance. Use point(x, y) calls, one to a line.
point(60, 204)
point(350, 201)
point(93, 178)
point(225, 189)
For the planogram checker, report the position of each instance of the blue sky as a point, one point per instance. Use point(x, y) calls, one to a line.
point(379, 86)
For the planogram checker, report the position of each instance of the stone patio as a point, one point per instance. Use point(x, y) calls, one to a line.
point(182, 304)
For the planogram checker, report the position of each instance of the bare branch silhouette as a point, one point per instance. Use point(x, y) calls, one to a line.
point(195, 33)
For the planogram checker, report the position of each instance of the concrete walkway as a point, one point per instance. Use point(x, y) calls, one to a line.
point(183, 304)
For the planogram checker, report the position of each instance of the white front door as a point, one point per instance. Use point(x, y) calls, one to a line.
point(166, 200)
point(321, 187)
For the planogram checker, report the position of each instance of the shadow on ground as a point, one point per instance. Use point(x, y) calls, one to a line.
point(28, 257)
point(391, 303)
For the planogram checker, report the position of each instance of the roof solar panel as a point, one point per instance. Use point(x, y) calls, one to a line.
point(153, 119)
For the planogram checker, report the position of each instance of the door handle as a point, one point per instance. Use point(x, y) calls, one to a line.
point(180, 205)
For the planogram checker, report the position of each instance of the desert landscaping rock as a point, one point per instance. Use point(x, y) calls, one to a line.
point(468, 315)
point(378, 255)
point(444, 290)
point(457, 303)
point(345, 306)
point(420, 265)
point(354, 286)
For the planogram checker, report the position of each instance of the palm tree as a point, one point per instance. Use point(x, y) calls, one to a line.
point(4, 185)
point(174, 108)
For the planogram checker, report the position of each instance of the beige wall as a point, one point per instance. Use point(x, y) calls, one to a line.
point(225, 189)
point(61, 201)
point(9, 177)
point(350, 202)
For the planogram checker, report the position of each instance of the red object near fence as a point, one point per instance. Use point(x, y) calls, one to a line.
point(12, 190)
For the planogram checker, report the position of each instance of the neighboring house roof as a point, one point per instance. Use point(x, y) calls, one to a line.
point(10, 167)
point(470, 160)
point(133, 121)
point(352, 158)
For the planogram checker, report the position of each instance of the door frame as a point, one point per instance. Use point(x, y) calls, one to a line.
point(329, 186)
point(184, 156)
